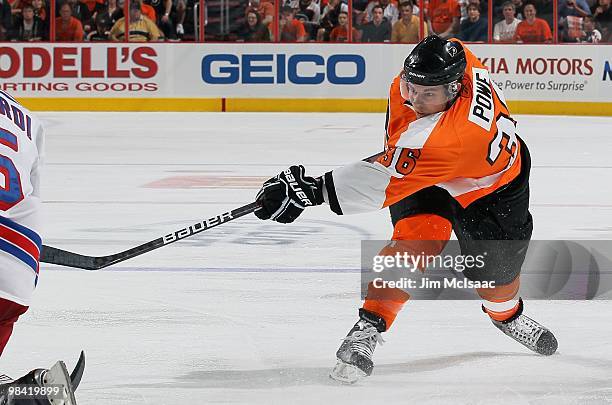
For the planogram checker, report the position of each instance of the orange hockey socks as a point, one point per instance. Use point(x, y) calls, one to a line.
point(417, 234)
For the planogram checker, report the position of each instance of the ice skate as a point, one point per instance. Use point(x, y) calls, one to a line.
point(58, 383)
point(355, 353)
point(528, 332)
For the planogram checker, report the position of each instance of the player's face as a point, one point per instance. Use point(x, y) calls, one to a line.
point(427, 100)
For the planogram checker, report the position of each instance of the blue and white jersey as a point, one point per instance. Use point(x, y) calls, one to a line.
point(21, 154)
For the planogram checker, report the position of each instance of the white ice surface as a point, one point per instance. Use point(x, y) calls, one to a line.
point(252, 312)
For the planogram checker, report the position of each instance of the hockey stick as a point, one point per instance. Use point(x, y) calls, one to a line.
point(61, 257)
point(77, 373)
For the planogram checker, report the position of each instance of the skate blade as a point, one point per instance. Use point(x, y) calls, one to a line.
point(58, 375)
point(346, 373)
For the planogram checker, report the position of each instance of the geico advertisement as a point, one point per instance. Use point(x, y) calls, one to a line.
point(270, 68)
point(297, 71)
point(524, 72)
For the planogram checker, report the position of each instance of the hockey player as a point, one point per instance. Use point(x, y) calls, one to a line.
point(21, 152)
point(452, 162)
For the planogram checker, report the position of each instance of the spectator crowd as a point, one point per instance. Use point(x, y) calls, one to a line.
point(94, 20)
point(375, 21)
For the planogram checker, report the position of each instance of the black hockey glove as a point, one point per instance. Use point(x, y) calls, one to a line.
point(284, 197)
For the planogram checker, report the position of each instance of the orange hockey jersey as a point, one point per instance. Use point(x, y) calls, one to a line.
point(470, 150)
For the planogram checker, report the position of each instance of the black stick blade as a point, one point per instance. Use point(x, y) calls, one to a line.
point(77, 373)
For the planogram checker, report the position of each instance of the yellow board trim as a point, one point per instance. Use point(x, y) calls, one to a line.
point(306, 105)
point(285, 105)
point(560, 108)
point(122, 104)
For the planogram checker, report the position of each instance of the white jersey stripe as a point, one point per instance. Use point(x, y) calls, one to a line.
point(418, 132)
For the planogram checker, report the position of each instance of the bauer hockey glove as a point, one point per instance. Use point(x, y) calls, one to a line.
point(284, 197)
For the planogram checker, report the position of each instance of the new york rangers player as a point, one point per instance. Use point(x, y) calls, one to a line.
point(21, 153)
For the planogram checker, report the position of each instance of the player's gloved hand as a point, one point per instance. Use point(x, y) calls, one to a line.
point(284, 197)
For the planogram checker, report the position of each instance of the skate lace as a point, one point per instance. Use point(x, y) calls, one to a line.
point(526, 330)
point(364, 341)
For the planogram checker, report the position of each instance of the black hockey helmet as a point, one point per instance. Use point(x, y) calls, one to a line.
point(435, 61)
